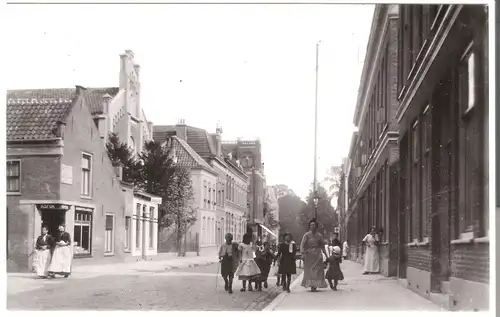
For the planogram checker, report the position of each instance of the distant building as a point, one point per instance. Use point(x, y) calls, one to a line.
point(249, 154)
point(228, 190)
point(271, 206)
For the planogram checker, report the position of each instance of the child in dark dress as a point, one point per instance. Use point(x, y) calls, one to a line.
point(333, 272)
point(264, 259)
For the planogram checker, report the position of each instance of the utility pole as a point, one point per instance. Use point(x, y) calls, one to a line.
point(316, 197)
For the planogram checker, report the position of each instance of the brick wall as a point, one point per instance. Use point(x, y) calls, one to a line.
point(39, 180)
point(420, 258)
point(81, 135)
point(471, 262)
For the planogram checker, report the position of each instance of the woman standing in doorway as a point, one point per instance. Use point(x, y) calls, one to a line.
point(372, 264)
point(63, 254)
point(43, 253)
point(313, 248)
point(286, 254)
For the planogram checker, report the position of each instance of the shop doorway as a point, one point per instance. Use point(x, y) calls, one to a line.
point(52, 219)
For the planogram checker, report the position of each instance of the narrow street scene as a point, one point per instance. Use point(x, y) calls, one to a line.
point(248, 157)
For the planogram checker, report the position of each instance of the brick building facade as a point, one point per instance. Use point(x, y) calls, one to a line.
point(374, 153)
point(436, 194)
point(249, 153)
point(443, 117)
point(58, 171)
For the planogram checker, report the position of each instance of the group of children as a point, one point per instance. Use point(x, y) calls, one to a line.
point(253, 265)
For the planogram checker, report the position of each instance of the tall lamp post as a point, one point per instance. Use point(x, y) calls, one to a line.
point(316, 197)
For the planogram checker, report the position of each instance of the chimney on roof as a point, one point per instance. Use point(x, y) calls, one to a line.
point(181, 130)
point(106, 99)
point(80, 90)
point(217, 137)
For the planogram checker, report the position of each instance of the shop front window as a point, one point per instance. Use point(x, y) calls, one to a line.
point(82, 232)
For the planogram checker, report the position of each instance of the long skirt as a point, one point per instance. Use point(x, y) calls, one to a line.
point(61, 260)
point(42, 262)
point(248, 270)
point(372, 262)
point(314, 270)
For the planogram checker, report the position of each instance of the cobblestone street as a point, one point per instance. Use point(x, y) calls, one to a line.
point(175, 289)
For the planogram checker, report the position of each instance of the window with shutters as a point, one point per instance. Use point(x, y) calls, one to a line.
point(426, 172)
point(86, 181)
point(109, 238)
point(82, 232)
point(13, 172)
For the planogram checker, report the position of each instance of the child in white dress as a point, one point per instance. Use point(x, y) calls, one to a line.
point(248, 270)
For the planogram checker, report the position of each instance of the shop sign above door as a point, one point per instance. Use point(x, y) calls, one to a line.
point(53, 206)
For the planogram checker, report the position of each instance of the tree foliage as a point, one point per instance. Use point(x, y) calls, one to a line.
point(155, 172)
point(327, 217)
point(290, 207)
point(121, 155)
point(270, 220)
point(332, 182)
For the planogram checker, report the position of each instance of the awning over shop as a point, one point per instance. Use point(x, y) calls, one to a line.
point(264, 227)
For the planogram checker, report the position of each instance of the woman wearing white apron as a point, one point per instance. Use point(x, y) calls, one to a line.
point(372, 261)
point(63, 254)
point(43, 253)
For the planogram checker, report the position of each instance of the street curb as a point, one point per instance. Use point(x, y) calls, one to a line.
point(275, 303)
point(172, 267)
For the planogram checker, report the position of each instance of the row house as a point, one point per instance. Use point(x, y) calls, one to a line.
point(58, 172)
point(434, 211)
point(249, 153)
point(224, 193)
point(443, 145)
point(374, 148)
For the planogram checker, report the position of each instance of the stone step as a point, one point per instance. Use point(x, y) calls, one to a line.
point(445, 287)
point(442, 300)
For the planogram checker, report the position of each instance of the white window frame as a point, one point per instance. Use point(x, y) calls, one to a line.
point(82, 224)
point(128, 234)
point(89, 195)
point(7, 178)
point(112, 252)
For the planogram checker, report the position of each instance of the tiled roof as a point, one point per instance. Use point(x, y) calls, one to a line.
point(187, 157)
point(200, 140)
point(93, 96)
point(35, 119)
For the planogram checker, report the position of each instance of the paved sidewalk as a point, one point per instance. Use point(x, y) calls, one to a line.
point(356, 292)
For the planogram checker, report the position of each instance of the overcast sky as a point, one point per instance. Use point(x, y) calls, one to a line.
point(251, 67)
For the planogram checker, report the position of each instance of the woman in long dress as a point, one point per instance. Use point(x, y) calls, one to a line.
point(43, 256)
point(313, 247)
point(248, 269)
point(372, 260)
point(287, 265)
point(63, 254)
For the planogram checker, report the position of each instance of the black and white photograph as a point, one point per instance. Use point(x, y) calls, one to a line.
point(249, 156)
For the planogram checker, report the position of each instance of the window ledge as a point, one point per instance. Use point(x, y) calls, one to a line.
point(109, 254)
point(482, 240)
point(383, 243)
point(13, 193)
point(422, 243)
point(82, 255)
point(462, 241)
point(86, 197)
